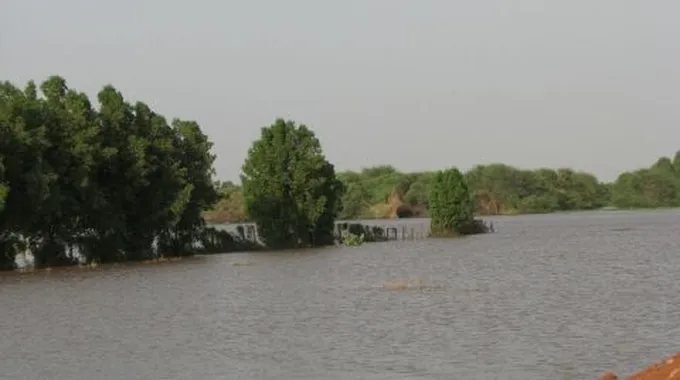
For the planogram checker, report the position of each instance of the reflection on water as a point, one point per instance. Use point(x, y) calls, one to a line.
point(552, 296)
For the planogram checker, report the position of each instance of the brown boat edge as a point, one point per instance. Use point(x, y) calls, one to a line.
point(667, 369)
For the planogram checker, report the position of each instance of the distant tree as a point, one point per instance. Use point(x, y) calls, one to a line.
point(656, 186)
point(290, 189)
point(225, 188)
point(354, 200)
point(646, 188)
point(378, 171)
point(451, 206)
point(230, 208)
point(417, 194)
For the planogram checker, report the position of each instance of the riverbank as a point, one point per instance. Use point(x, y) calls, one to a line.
point(667, 369)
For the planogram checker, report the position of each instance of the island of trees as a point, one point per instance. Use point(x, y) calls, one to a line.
point(120, 182)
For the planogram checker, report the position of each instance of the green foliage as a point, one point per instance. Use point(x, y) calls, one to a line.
point(657, 186)
point(290, 190)
point(451, 206)
point(368, 190)
point(351, 240)
point(417, 194)
point(503, 189)
point(496, 189)
point(369, 233)
point(110, 184)
point(355, 200)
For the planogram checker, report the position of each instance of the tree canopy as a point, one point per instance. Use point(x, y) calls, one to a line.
point(116, 182)
point(290, 189)
point(451, 206)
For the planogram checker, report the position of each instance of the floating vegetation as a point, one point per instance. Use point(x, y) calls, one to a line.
point(370, 233)
point(352, 240)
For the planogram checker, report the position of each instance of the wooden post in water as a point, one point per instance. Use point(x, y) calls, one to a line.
point(253, 233)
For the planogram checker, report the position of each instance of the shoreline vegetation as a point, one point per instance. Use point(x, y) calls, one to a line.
point(88, 187)
point(116, 182)
point(85, 183)
point(383, 192)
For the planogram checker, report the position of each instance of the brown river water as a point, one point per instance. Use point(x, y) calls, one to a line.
point(563, 296)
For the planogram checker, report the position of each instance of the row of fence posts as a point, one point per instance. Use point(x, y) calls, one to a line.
point(389, 232)
point(247, 232)
point(393, 232)
point(405, 232)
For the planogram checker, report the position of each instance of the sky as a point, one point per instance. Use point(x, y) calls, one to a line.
point(420, 85)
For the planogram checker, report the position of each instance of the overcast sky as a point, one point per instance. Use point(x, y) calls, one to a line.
point(593, 85)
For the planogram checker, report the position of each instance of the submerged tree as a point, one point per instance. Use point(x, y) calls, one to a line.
point(108, 184)
point(290, 189)
point(451, 206)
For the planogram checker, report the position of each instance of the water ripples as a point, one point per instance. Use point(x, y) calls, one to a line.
point(550, 296)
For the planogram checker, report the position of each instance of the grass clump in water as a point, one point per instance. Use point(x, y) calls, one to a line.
point(353, 240)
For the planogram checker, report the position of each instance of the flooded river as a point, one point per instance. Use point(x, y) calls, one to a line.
point(546, 297)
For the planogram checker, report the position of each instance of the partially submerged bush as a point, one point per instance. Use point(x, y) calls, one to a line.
point(370, 233)
point(452, 206)
point(351, 240)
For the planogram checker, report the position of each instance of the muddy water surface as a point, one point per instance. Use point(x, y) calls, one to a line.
point(553, 296)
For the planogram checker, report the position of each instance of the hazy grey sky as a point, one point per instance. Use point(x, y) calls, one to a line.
point(593, 85)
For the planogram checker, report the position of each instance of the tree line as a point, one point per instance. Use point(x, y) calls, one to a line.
point(104, 183)
point(117, 181)
point(384, 192)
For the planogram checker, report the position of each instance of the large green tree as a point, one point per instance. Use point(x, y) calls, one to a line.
point(107, 184)
point(290, 189)
point(451, 206)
